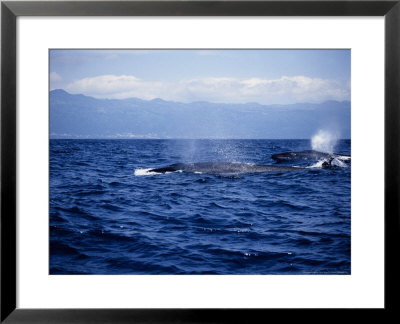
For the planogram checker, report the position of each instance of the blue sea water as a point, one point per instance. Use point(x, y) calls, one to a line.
point(109, 216)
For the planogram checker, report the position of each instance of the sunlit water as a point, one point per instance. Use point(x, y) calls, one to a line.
point(109, 216)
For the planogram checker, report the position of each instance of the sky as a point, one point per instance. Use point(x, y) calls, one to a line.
point(221, 76)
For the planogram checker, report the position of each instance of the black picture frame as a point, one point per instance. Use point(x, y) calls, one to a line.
point(10, 10)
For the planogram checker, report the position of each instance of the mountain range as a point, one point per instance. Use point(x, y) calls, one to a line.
point(80, 116)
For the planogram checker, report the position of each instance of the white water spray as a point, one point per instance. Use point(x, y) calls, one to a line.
point(143, 172)
point(324, 141)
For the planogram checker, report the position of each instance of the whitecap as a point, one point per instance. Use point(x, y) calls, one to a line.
point(317, 165)
point(144, 172)
point(344, 157)
point(338, 163)
point(335, 162)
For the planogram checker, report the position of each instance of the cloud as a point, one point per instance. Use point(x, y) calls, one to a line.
point(117, 87)
point(56, 80)
point(55, 77)
point(286, 89)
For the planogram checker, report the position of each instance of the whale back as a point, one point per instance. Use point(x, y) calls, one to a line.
point(223, 168)
point(307, 155)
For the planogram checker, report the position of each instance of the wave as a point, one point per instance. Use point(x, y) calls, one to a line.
point(110, 220)
point(336, 162)
point(144, 172)
point(147, 172)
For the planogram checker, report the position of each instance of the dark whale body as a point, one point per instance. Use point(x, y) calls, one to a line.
point(223, 168)
point(308, 155)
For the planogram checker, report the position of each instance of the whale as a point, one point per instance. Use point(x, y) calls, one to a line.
point(308, 155)
point(223, 168)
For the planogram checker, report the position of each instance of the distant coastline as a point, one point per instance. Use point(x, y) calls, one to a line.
point(76, 116)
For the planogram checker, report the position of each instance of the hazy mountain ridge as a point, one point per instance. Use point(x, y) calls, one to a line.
point(80, 116)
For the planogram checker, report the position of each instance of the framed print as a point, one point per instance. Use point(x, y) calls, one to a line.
point(189, 161)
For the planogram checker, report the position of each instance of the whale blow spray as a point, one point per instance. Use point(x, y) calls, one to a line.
point(324, 141)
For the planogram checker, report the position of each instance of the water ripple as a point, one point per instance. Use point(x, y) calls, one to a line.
point(106, 220)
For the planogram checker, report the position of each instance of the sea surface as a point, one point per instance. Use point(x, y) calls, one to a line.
point(109, 215)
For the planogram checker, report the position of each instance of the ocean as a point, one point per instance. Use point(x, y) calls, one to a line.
point(110, 215)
